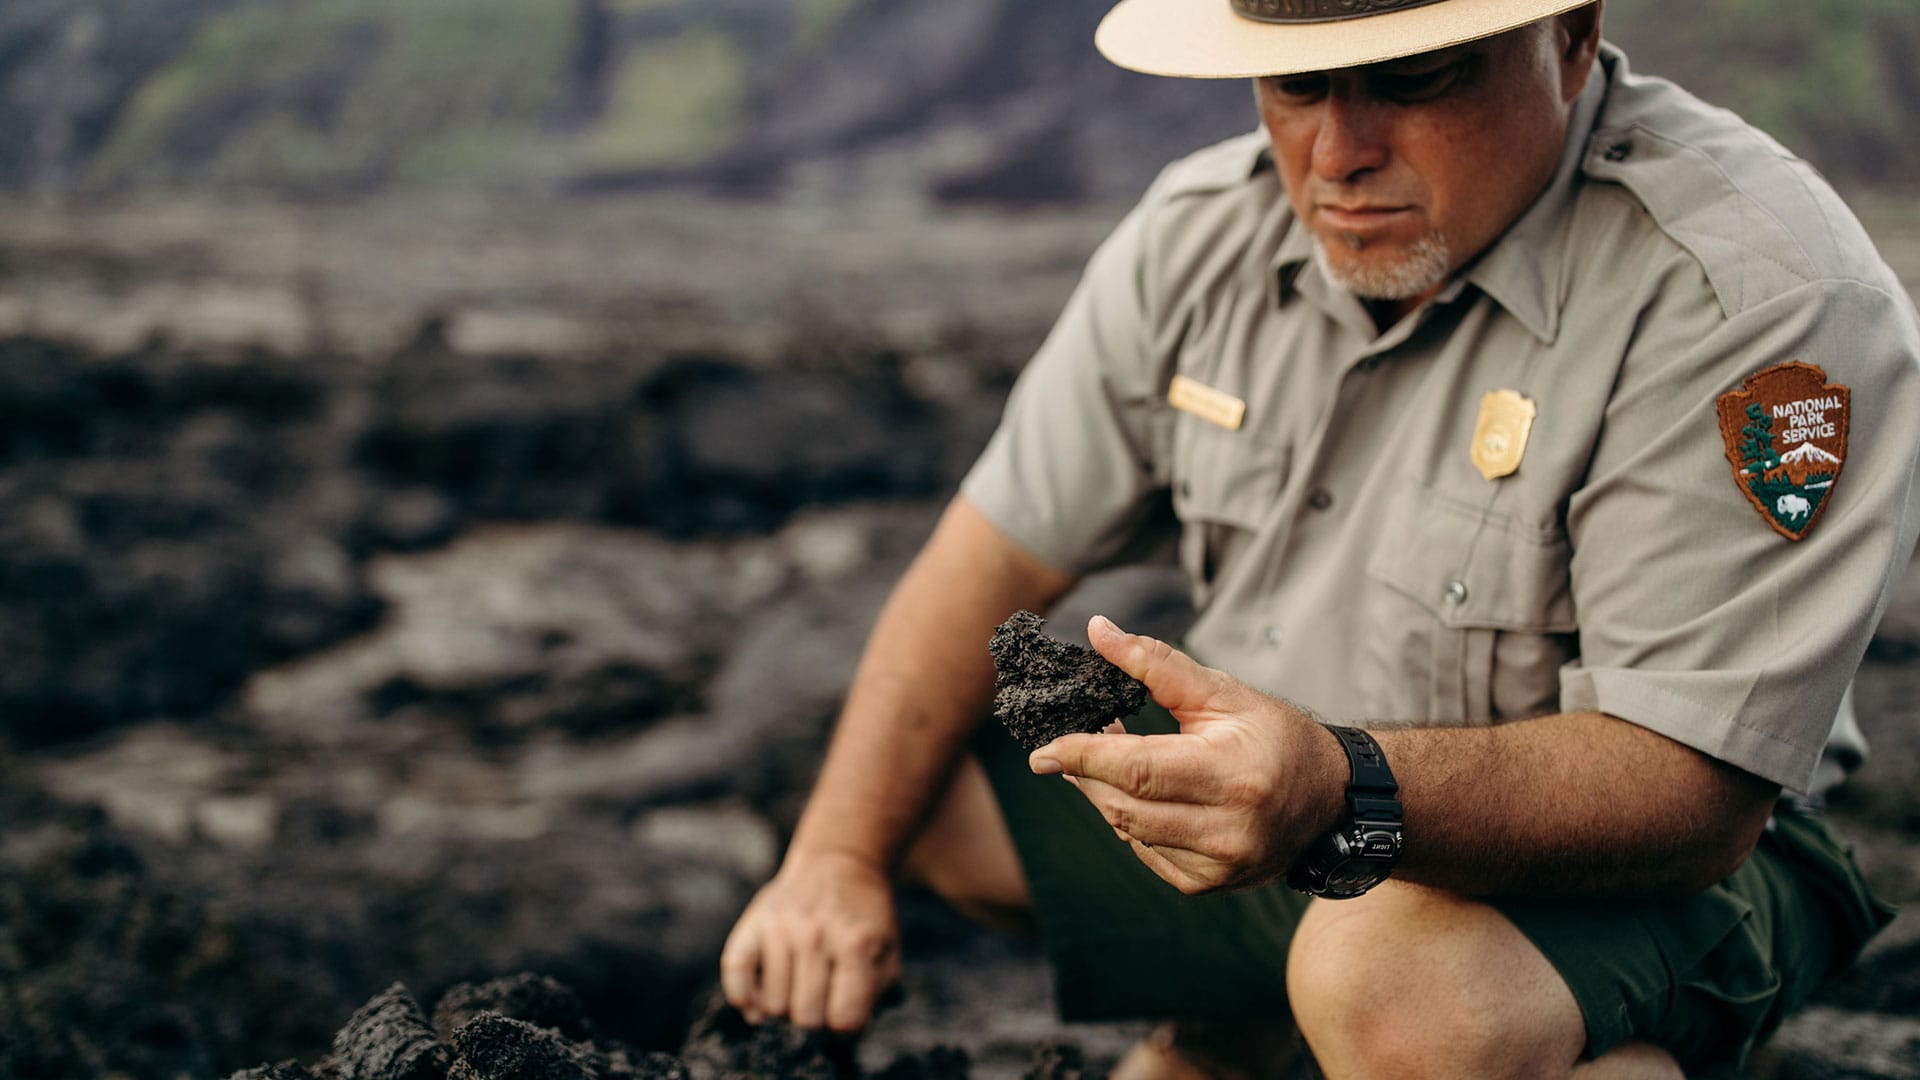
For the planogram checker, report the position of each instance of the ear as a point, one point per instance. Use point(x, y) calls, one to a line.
point(1578, 39)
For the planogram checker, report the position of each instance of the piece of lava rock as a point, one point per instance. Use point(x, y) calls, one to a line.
point(721, 1045)
point(389, 1038)
point(1059, 1061)
point(539, 1000)
point(1049, 688)
point(939, 1063)
point(496, 1047)
point(280, 1070)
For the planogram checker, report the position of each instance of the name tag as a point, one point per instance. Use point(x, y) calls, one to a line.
point(1203, 401)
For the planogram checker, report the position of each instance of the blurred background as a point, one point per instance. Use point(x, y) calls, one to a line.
point(451, 452)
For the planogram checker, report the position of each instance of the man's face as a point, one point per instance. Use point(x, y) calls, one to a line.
point(1405, 170)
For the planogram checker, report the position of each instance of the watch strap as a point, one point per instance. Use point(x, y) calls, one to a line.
point(1368, 839)
point(1370, 775)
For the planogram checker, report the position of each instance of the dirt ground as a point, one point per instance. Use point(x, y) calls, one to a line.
point(433, 592)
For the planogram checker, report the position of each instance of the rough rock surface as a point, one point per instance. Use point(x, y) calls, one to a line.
point(540, 1000)
point(295, 707)
point(279, 1070)
point(1059, 1061)
point(389, 1038)
point(937, 1063)
point(1048, 688)
point(721, 1045)
point(495, 1047)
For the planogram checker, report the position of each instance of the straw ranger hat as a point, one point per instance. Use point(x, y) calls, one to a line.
point(1231, 39)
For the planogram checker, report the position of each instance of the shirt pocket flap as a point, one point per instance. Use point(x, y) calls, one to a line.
point(1474, 568)
point(1225, 477)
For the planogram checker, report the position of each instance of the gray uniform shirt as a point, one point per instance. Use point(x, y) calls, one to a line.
point(1344, 549)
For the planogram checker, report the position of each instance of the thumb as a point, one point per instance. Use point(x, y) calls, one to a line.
point(1177, 681)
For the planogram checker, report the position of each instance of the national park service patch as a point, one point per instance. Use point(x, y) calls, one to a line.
point(1786, 436)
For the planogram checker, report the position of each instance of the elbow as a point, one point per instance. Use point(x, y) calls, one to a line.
point(1739, 818)
point(1715, 861)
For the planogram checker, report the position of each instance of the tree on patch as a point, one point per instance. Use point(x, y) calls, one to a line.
point(1758, 444)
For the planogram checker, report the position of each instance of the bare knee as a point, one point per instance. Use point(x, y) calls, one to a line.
point(965, 854)
point(1409, 982)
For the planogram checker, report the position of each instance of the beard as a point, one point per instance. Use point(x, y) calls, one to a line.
point(1422, 269)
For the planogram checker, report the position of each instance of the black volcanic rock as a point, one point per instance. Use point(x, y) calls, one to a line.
point(1051, 688)
point(540, 1000)
point(721, 1045)
point(389, 1038)
point(938, 1063)
point(1059, 1061)
point(280, 1070)
point(495, 1047)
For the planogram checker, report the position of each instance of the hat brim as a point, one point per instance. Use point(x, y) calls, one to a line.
point(1206, 39)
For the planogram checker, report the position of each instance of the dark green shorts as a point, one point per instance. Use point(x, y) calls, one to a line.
point(1707, 976)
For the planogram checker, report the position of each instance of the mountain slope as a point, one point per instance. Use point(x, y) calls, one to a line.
point(816, 99)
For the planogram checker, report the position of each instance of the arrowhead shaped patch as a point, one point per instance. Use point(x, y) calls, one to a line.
point(1786, 436)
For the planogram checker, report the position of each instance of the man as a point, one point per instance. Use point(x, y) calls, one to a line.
point(1545, 422)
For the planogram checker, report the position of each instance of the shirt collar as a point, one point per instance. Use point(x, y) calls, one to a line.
point(1520, 271)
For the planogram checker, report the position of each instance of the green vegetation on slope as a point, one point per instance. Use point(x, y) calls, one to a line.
point(329, 92)
point(676, 102)
point(341, 94)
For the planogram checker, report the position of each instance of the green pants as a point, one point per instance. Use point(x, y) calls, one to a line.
point(1707, 976)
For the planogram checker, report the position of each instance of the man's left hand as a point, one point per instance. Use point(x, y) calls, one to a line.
point(1228, 802)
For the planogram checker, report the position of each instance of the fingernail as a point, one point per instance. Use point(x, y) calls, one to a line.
point(1043, 766)
point(1108, 624)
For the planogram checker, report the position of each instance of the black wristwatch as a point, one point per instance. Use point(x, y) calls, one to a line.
point(1360, 851)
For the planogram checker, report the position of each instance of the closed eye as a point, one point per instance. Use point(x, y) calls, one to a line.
point(1413, 87)
point(1299, 89)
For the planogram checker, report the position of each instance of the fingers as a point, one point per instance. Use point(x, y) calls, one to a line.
point(807, 1001)
point(1177, 681)
point(1190, 872)
point(740, 971)
point(1155, 767)
point(862, 971)
point(776, 980)
point(805, 975)
point(1160, 824)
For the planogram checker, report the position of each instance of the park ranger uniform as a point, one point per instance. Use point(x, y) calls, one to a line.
point(1652, 454)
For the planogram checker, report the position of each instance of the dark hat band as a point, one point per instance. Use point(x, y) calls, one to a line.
point(1308, 11)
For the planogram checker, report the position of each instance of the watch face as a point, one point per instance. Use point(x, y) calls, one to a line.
point(1355, 877)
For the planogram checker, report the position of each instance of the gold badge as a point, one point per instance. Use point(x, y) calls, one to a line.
point(1500, 435)
point(1203, 401)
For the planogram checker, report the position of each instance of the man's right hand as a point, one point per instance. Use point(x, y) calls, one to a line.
point(817, 945)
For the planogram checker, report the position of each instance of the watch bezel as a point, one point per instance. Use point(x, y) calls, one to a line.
point(1370, 837)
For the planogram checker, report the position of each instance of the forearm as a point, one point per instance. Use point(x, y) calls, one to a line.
point(923, 682)
point(1570, 804)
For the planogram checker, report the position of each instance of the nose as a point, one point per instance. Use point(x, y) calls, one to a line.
point(1352, 137)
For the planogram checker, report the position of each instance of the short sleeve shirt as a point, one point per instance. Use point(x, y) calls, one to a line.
point(1344, 549)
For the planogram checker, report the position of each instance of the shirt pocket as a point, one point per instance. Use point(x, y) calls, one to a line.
point(1225, 486)
point(1468, 615)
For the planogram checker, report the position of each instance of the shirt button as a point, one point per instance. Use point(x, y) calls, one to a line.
point(1619, 151)
point(1320, 498)
point(1273, 636)
point(1456, 592)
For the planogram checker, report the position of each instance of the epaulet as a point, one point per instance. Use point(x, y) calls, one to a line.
point(1757, 219)
point(1214, 168)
